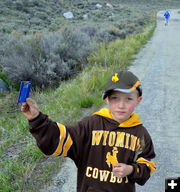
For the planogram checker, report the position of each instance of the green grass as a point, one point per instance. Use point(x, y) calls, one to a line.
point(119, 54)
point(22, 165)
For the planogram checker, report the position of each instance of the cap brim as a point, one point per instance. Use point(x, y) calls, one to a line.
point(105, 94)
point(124, 90)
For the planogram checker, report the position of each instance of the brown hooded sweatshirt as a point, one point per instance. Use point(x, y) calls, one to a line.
point(95, 144)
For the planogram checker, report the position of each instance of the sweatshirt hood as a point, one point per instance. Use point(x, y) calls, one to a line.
point(134, 119)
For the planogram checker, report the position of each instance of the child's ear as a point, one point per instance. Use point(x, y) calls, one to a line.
point(139, 100)
point(107, 100)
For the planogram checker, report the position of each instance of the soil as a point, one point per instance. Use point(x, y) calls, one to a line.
point(157, 66)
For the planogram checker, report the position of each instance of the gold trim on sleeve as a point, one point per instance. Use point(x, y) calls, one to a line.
point(67, 146)
point(151, 165)
point(62, 136)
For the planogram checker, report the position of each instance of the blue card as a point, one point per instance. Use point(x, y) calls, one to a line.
point(24, 91)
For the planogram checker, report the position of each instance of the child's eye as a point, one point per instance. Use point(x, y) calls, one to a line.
point(129, 99)
point(113, 98)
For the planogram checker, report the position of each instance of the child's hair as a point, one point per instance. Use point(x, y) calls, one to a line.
point(123, 81)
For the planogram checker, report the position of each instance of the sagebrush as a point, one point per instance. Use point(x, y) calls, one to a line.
point(45, 59)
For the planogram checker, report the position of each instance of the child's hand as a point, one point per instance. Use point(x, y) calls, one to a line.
point(30, 109)
point(121, 170)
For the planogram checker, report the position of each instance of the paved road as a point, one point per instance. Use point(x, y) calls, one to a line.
point(158, 67)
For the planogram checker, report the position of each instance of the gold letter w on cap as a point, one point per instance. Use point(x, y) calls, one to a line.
point(115, 78)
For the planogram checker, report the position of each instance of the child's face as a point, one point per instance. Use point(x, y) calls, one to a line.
point(121, 105)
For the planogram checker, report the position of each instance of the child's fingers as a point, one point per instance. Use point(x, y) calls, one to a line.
point(30, 102)
point(24, 107)
point(118, 165)
point(30, 109)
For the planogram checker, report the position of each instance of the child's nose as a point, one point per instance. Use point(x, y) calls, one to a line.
point(121, 104)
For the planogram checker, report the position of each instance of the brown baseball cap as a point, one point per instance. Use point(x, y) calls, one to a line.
point(123, 81)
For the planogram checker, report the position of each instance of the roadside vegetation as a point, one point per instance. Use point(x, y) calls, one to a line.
point(68, 67)
point(38, 43)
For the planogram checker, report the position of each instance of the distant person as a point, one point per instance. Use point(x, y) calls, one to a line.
point(166, 16)
point(111, 148)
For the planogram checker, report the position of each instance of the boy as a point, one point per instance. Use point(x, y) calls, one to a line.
point(111, 149)
point(166, 16)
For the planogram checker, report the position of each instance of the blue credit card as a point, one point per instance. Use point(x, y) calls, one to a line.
point(24, 91)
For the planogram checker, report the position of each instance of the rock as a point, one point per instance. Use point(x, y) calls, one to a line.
point(109, 5)
point(68, 15)
point(85, 16)
point(98, 5)
point(3, 86)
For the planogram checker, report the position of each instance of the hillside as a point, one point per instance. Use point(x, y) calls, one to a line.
point(28, 16)
point(36, 35)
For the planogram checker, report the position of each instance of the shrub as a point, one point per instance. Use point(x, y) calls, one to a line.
point(34, 60)
point(104, 37)
point(75, 45)
point(90, 30)
point(46, 59)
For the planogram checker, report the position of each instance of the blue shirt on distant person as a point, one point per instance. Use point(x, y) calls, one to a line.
point(166, 15)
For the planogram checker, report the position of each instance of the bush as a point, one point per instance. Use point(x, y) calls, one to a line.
point(105, 37)
point(75, 45)
point(46, 59)
point(34, 60)
point(90, 30)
